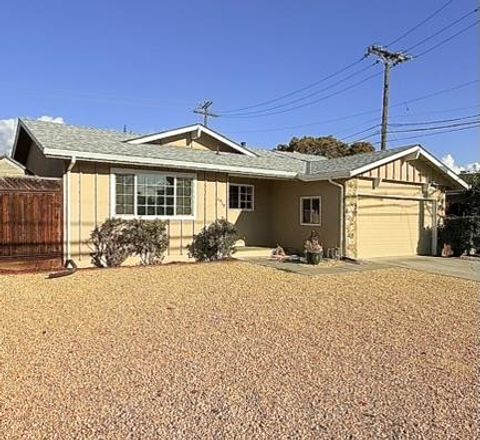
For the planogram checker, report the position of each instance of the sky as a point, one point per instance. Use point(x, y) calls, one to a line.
point(147, 64)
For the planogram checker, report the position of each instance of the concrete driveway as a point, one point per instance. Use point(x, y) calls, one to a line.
point(454, 267)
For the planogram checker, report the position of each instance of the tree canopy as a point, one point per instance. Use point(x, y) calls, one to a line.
point(327, 146)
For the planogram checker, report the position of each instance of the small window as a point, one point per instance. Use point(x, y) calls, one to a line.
point(310, 211)
point(241, 197)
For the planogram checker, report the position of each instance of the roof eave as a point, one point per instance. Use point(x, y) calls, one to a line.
point(151, 162)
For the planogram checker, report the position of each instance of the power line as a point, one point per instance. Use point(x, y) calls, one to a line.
point(414, 28)
point(406, 124)
point(461, 124)
point(362, 131)
point(441, 43)
point(463, 17)
point(436, 134)
point(302, 89)
point(302, 98)
point(368, 78)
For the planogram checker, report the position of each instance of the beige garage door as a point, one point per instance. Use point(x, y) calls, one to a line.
point(393, 227)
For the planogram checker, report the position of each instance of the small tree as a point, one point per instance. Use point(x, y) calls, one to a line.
point(148, 239)
point(214, 242)
point(110, 243)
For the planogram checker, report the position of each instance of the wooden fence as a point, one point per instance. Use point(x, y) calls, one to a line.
point(31, 223)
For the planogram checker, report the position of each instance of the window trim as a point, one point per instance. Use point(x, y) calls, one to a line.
point(302, 198)
point(143, 172)
point(250, 185)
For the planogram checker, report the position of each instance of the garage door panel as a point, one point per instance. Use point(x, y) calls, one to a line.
point(390, 227)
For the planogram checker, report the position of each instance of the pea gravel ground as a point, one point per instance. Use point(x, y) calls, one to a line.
point(233, 350)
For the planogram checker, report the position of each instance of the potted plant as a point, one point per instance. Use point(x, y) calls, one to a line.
point(313, 248)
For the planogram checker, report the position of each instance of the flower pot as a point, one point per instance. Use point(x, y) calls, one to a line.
point(313, 258)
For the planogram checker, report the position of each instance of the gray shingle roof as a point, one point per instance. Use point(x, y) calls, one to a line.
point(53, 136)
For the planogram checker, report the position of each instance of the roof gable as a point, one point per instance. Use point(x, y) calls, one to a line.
point(196, 132)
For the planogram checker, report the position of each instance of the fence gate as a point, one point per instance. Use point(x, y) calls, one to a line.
point(31, 223)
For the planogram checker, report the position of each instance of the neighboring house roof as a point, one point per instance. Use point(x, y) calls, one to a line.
point(8, 166)
point(66, 141)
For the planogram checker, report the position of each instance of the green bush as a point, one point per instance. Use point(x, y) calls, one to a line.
point(457, 232)
point(115, 240)
point(110, 243)
point(214, 242)
point(148, 239)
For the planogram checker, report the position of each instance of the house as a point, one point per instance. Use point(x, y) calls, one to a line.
point(10, 168)
point(385, 203)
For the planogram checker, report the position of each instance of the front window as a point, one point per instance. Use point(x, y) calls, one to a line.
point(153, 195)
point(310, 211)
point(241, 197)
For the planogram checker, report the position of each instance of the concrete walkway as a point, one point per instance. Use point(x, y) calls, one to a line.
point(468, 269)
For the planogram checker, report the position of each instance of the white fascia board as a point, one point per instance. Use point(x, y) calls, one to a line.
point(148, 162)
point(385, 160)
point(183, 130)
point(415, 151)
point(439, 164)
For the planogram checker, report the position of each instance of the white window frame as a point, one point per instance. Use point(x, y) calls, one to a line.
point(253, 196)
point(302, 198)
point(136, 173)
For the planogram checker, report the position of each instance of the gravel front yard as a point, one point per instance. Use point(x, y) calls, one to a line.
point(232, 350)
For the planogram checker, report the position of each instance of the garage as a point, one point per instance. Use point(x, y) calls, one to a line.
point(389, 226)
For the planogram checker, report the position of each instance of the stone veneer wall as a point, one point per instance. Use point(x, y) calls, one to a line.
point(351, 212)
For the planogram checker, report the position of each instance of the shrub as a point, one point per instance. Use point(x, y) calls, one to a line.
point(214, 242)
point(148, 239)
point(457, 232)
point(110, 243)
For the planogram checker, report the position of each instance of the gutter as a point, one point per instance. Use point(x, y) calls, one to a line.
point(342, 216)
point(67, 208)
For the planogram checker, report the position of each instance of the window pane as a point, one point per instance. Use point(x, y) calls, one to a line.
point(233, 197)
point(124, 193)
point(311, 211)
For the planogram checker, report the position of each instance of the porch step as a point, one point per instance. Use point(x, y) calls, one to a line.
point(245, 252)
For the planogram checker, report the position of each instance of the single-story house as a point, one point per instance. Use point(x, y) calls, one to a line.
point(385, 203)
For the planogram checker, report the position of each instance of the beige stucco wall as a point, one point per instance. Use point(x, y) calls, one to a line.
point(285, 213)
point(89, 196)
point(9, 169)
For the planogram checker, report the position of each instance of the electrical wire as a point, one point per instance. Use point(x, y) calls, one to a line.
point(414, 28)
point(310, 95)
point(463, 17)
point(294, 92)
point(367, 112)
point(338, 92)
point(460, 124)
point(446, 40)
point(435, 134)
point(406, 124)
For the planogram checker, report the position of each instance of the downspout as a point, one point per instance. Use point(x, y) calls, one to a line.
point(342, 216)
point(66, 206)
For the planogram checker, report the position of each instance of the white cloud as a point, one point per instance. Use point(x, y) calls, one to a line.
point(7, 134)
point(56, 119)
point(450, 161)
point(8, 128)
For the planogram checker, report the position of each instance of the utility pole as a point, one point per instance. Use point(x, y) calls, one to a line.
point(390, 59)
point(202, 109)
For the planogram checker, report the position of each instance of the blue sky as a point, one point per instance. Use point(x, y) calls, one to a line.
point(148, 63)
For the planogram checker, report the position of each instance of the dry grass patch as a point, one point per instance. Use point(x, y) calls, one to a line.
point(232, 350)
